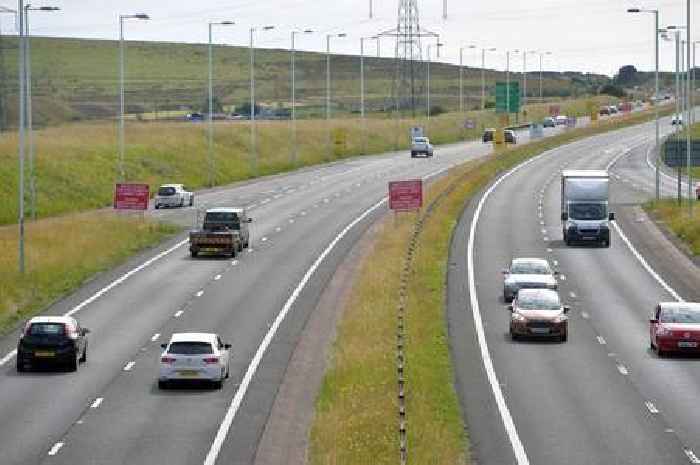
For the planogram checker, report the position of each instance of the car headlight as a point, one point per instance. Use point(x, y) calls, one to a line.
point(518, 317)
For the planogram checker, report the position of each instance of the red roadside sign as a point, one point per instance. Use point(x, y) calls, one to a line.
point(406, 195)
point(131, 196)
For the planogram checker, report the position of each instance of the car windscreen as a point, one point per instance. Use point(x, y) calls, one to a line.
point(166, 191)
point(190, 348)
point(538, 301)
point(680, 315)
point(47, 329)
point(587, 211)
point(223, 220)
point(530, 268)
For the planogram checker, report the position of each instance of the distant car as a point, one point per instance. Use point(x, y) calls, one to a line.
point(194, 357)
point(561, 120)
point(549, 122)
point(173, 195)
point(195, 117)
point(52, 340)
point(509, 136)
point(675, 327)
point(677, 120)
point(527, 273)
point(613, 109)
point(421, 146)
point(489, 134)
point(539, 313)
point(604, 111)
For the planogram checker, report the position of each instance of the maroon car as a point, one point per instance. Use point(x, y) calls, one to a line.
point(675, 328)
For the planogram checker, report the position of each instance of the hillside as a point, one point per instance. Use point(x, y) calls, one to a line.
point(75, 79)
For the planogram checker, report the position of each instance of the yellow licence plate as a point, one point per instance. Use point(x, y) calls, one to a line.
point(188, 373)
point(44, 353)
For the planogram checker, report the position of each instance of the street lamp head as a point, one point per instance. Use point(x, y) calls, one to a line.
point(342, 34)
point(49, 8)
point(141, 16)
point(226, 23)
point(308, 31)
point(634, 10)
point(268, 28)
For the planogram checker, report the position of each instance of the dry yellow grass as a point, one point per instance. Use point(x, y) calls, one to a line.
point(62, 252)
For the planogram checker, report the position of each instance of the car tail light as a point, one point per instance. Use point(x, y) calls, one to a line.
point(211, 360)
point(167, 359)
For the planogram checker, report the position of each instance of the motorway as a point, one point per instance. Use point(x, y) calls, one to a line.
point(111, 412)
point(603, 397)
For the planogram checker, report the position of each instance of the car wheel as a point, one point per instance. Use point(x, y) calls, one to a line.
point(73, 363)
point(162, 384)
point(218, 384)
point(240, 247)
point(157, 206)
point(193, 253)
point(660, 353)
point(191, 200)
point(182, 201)
point(513, 336)
point(564, 337)
point(83, 359)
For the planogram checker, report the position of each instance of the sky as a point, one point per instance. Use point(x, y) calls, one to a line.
point(582, 35)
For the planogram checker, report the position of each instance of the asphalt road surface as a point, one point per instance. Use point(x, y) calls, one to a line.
point(603, 397)
point(111, 412)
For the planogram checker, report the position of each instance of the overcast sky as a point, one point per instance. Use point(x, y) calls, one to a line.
point(583, 35)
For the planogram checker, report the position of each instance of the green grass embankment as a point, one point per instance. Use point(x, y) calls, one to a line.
point(356, 418)
point(676, 218)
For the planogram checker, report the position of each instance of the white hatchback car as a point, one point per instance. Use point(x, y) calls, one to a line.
point(194, 357)
point(173, 195)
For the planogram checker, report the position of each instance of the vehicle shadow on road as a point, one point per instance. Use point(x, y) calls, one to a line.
point(184, 388)
point(686, 357)
point(560, 244)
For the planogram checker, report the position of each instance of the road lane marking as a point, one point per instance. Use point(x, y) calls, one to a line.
point(56, 447)
point(107, 288)
point(264, 239)
point(585, 315)
point(155, 337)
point(651, 407)
point(237, 400)
point(179, 313)
point(278, 229)
point(572, 295)
point(199, 293)
point(129, 366)
point(691, 456)
point(562, 277)
point(217, 277)
point(97, 402)
point(644, 263)
point(234, 262)
point(622, 369)
point(601, 340)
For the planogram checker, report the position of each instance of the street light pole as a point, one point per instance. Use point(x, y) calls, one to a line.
point(253, 133)
point(210, 146)
point(362, 89)
point(508, 82)
point(483, 75)
point(143, 16)
point(461, 77)
point(542, 54)
point(328, 91)
point(294, 102)
point(22, 121)
point(30, 123)
point(687, 132)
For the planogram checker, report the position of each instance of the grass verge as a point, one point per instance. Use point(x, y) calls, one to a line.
point(64, 253)
point(76, 163)
point(357, 409)
point(676, 218)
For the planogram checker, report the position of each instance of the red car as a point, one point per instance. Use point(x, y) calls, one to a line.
point(675, 328)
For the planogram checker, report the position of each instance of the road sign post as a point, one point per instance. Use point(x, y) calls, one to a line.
point(131, 196)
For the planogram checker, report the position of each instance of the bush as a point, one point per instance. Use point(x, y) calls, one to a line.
point(436, 110)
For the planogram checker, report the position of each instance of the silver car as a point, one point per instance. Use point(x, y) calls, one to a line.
point(421, 146)
point(528, 273)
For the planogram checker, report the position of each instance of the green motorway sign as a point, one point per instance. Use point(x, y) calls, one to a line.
point(502, 94)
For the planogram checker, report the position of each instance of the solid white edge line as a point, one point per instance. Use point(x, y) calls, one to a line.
point(691, 456)
point(155, 337)
point(235, 404)
point(107, 288)
point(129, 366)
point(508, 423)
point(56, 447)
point(644, 263)
point(601, 340)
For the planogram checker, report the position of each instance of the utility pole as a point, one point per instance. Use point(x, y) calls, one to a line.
point(688, 119)
point(483, 75)
point(22, 121)
point(328, 91)
point(253, 134)
point(294, 150)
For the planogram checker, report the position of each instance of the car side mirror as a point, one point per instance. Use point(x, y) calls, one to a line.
point(85, 331)
point(611, 217)
point(164, 346)
point(506, 271)
point(652, 321)
point(565, 216)
point(557, 272)
point(567, 309)
point(510, 307)
point(227, 346)
point(250, 220)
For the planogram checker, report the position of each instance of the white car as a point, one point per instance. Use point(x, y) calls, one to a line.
point(173, 195)
point(194, 357)
point(561, 120)
point(527, 273)
point(677, 120)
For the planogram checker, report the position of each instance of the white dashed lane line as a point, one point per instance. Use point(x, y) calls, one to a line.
point(56, 447)
point(199, 293)
point(234, 262)
point(601, 340)
point(217, 277)
point(179, 313)
point(622, 369)
point(691, 456)
point(129, 366)
point(651, 407)
point(155, 337)
point(264, 239)
point(97, 402)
